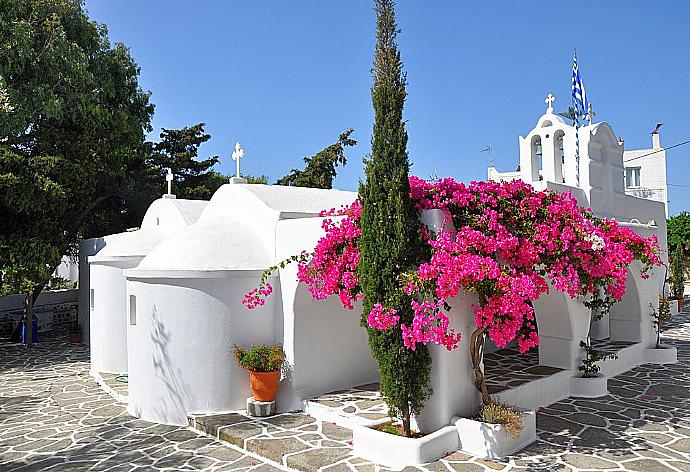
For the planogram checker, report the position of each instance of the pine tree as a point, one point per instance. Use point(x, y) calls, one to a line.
point(321, 167)
point(390, 242)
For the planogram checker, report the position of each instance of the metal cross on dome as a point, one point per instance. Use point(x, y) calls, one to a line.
point(238, 154)
point(549, 100)
point(590, 113)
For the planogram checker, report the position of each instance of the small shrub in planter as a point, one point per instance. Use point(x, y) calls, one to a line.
point(677, 277)
point(495, 413)
point(590, 364)
point(661, 353)
point(660, 317)
point(264, 364)
point(590, 383)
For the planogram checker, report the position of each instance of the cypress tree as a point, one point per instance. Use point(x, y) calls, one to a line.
point(391, 240)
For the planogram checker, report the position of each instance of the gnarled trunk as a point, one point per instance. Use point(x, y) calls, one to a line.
point(477, 353)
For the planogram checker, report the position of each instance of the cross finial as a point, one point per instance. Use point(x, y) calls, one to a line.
point(169, 178)
point(238, 154)
point(549, 101)
point(590, 113)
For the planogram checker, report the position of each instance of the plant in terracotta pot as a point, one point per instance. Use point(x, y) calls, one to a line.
point(264, 364)
point(74, 333)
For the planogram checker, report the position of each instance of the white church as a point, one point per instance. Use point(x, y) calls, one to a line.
point(164, 303)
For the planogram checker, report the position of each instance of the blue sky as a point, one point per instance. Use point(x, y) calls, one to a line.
point(285, 78)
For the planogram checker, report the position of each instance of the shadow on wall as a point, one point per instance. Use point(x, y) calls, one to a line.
point(177, 392)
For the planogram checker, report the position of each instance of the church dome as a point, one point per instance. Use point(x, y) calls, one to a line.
point(274, 201)
point(163, 218)
point(214, 246)
point(128, 245)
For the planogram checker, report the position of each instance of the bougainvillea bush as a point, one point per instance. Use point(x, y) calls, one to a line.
point(510, 245)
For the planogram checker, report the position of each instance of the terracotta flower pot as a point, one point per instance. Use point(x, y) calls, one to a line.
point(680, 304)
point(264, 385)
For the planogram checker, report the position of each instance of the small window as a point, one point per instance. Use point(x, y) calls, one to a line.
point(132, 310)
point(91, 299)
point(632, 177)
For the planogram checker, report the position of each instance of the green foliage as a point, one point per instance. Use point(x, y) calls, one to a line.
point(178, 150)
point(72, 125)
point(590, 364)
point(391, 243)
point(321, 168)
point(660, 317)
point(678, 231)
point(60, 283)
point(496, 413)
point(677, 276)
point(261, 358)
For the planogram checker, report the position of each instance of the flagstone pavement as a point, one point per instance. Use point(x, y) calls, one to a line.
point(54, 417)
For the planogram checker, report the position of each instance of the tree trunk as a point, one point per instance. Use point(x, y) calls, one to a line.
point(407, 429)
point(477, 353)
point(28, 320)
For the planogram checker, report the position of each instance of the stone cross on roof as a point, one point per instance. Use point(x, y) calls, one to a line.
point(169, 178)
point(549, 100)
point(238, 154)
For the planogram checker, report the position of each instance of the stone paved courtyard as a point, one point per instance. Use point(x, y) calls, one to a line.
point(53, 416)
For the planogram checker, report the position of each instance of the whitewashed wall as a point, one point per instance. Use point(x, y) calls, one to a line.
point(180, 349)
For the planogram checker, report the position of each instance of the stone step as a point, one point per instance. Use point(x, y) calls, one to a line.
point(362, 405)
point(293, 440)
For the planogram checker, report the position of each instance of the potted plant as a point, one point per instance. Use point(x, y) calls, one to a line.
point(677, 278)
point(74, 333)
point(264, 364)
point(661, 353)
point(590, 383)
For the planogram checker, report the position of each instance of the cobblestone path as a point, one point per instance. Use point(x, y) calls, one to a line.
point(54, 417)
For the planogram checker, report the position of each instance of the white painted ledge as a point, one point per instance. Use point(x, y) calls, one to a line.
point(397, 451)
point(491, 441)
point(589, 387)
point(666, 354)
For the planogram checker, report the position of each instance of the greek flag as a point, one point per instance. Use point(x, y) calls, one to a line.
point(580, 104)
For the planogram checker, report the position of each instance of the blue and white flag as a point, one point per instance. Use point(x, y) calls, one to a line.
point(580, 103)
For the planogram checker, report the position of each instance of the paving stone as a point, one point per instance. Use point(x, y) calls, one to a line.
point(682, 445)
point(314, 459)
point(238, 433)
point(290, 421)
point(275, 449)
point(647, 465)
point(584, 461)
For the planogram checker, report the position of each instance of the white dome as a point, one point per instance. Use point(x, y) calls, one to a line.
point(163, 218)
point(130, 244)
point(275, 201)
point(170, 214)
point(221, 244)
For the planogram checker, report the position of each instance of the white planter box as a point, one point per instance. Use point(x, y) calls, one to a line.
point(397, 451)
point(673, 304)
point(491, 441)
point(589, 387)
point(666, 354)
